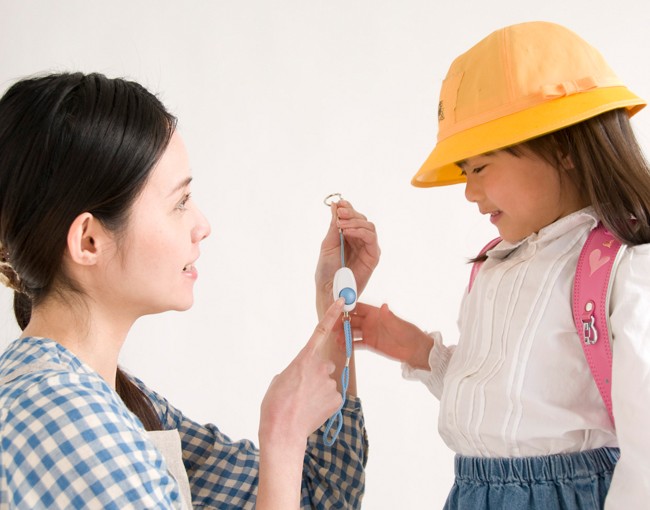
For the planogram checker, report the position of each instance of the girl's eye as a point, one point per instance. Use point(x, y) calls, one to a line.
point(182, 204)
point(474, 170)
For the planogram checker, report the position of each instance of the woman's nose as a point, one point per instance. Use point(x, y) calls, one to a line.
point(202, 228)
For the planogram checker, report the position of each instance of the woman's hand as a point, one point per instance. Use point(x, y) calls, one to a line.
point(361, 251)
point(304, 394)
point(382, 331)
point(299, 400)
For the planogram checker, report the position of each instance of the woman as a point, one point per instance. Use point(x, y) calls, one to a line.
point(97, 228)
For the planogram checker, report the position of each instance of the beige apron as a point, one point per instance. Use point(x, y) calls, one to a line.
point(168, 442)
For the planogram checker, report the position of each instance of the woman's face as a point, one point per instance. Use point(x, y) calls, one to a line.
point(153, 269)
point(521, 194)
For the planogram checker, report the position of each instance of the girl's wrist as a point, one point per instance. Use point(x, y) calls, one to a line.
point(323, 301)
point(420, 357)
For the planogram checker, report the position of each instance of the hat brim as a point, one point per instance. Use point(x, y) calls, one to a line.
point(440, 168)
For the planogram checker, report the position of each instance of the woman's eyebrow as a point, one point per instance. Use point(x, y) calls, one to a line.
point(184, 183)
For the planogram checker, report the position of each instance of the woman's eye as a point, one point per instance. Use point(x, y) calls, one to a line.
point(181, 205)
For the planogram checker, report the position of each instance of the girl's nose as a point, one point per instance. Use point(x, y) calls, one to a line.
point(471, 190)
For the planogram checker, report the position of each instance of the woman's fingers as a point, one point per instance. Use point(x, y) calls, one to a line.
point(324, 327)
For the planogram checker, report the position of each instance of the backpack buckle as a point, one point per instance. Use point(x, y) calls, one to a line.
point(589, 331)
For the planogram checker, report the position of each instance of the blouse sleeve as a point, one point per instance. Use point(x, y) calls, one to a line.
point(439, 357)
point(224, 473)
point(630, 324)
point(67, 442)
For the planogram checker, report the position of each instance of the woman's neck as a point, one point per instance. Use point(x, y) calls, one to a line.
point(91, 333)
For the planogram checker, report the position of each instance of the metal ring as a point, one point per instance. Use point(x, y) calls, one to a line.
point(329, 199)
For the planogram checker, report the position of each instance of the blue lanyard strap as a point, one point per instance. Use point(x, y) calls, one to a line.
point(343, 286)
point(337, 417)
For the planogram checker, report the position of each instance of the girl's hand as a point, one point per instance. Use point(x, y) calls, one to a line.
point(382, 331)
point(361, 251)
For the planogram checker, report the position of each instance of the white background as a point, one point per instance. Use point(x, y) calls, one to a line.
point(281, 103)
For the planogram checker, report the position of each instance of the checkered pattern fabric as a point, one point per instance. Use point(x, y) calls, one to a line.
point(223, 473)
point(67, 441)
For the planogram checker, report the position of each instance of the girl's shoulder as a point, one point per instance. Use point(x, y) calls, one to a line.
point(639, 250)
point(634, 264)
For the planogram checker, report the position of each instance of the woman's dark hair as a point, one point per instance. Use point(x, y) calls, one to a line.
point(608, 168)
point(72, 143)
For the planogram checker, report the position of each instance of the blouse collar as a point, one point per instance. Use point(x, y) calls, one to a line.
point(549, 233)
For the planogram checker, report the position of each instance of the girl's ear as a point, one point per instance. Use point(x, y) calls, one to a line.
point(85, 236)
point(566, 161)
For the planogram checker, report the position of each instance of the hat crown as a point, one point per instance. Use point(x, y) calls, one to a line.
point(520, 82)
point(517, 67)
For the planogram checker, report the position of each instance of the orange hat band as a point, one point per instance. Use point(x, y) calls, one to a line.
point(440, 168)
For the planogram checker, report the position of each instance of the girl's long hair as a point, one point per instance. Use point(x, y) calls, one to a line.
point(608, 167)
point(72, 143)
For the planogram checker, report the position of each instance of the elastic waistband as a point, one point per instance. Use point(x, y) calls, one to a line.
point(537, 469)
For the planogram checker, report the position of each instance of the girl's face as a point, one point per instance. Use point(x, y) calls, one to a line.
point(522, 193)
point(153, 269)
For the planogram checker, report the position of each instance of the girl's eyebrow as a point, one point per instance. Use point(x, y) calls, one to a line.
point(463, 162)
point(183, 184)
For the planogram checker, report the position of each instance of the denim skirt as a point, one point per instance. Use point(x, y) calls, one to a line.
point(574, 481)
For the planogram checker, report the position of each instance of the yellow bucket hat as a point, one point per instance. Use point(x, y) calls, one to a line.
point(520, 82)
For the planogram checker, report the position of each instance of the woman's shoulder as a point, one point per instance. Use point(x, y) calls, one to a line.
point(34, 353)
point(38, 379)
point(69, 416)
point(34, 359)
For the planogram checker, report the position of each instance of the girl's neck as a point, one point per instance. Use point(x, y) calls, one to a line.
point(92, 334)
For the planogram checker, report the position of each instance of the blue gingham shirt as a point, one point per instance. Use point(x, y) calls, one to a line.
point(68, 441)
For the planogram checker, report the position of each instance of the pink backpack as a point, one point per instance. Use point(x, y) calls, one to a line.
point(591, 289)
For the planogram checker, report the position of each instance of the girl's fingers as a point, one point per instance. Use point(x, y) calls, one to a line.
point(361, 310)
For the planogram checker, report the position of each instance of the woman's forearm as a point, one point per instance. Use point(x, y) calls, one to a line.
point(280, 473)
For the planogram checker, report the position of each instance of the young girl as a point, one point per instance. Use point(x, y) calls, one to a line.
point(97, 228)
point(536, 124)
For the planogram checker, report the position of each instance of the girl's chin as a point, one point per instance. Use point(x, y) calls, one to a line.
point(511, 238)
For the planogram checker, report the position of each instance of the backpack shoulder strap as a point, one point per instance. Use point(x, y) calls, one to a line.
point(477, 265)
point(591, 289)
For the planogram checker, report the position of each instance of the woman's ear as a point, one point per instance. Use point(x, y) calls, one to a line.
point(85, 236)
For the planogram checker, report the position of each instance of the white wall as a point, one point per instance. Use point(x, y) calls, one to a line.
point(281, 103)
